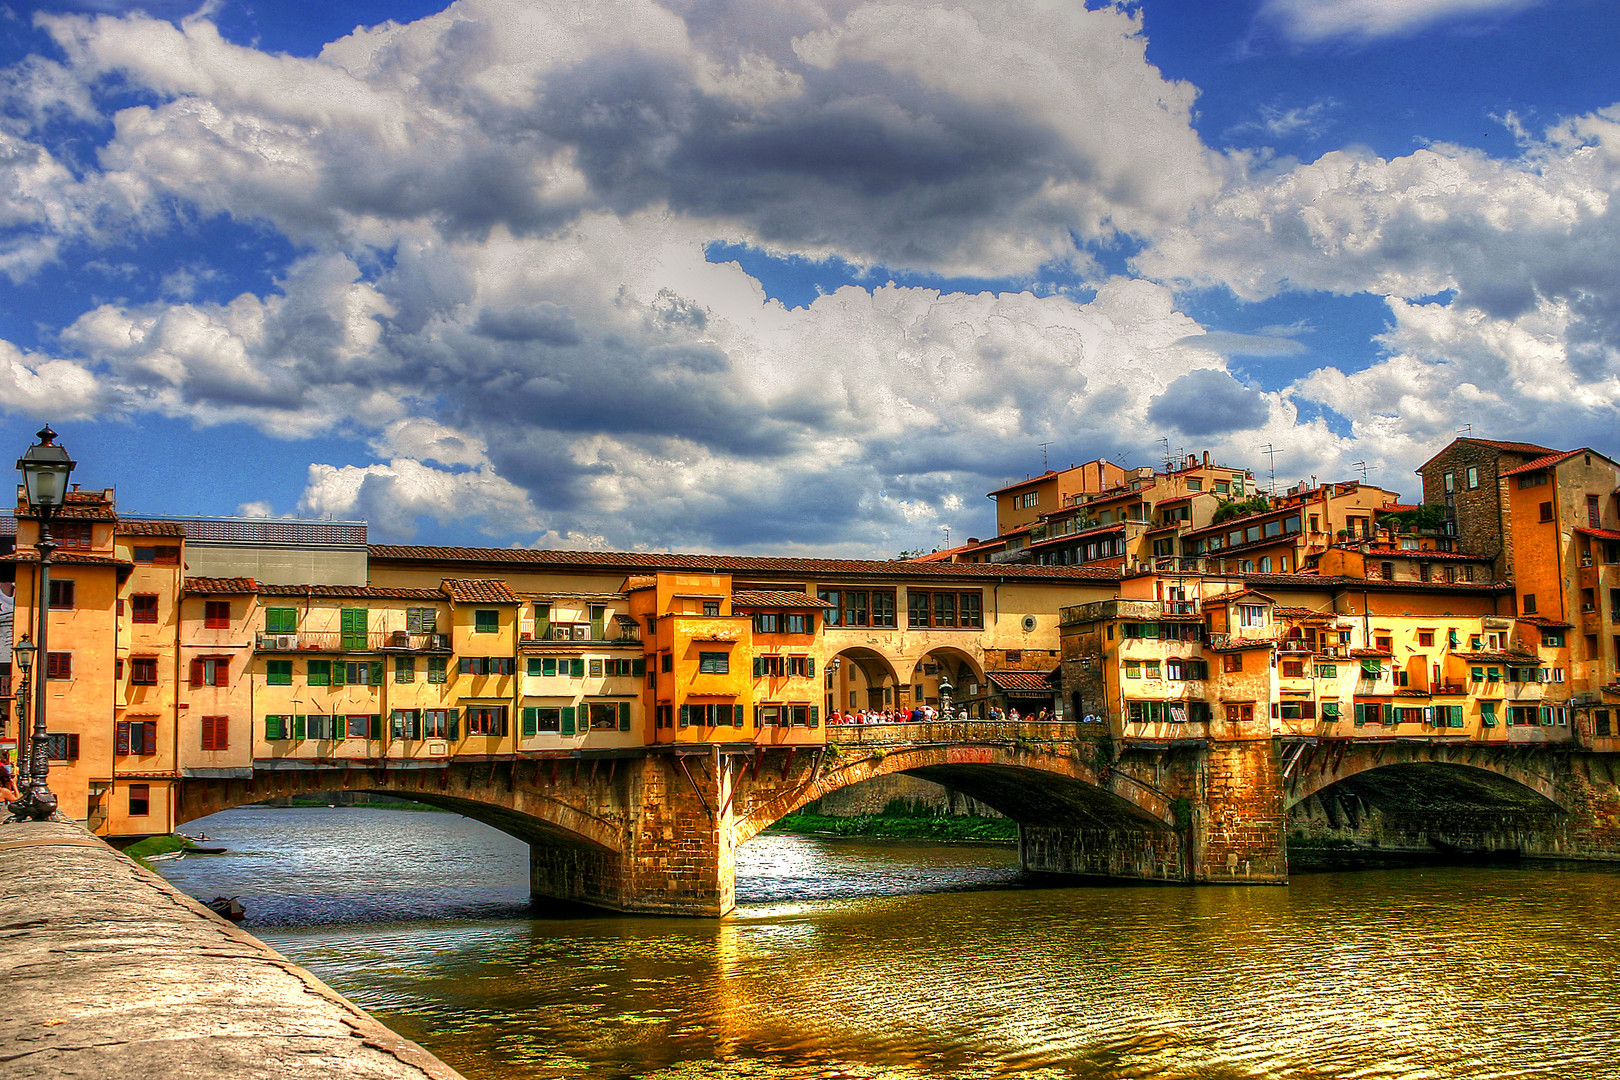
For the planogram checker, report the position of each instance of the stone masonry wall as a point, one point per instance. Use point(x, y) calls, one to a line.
point(1240, 820)
point(872, 796)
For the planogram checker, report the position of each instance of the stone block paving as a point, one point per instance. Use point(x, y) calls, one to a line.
point(111, 973)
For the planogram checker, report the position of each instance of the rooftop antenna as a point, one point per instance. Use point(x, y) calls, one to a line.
point(947, 529)
point(1044, 445)
point(1271, 453)
point(1466, 429)
point(1363, 468)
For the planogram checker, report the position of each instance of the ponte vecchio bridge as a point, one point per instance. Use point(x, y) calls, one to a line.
point(656, 829)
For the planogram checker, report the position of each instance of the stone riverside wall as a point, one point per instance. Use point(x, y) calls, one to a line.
point(111, 973)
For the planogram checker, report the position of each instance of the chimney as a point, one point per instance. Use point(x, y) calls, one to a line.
point(1206, 459)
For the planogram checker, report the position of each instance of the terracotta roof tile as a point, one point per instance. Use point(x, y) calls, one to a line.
point(1601, 534)
point(1517, 659)
point(1047, 475)
point(350, 592)
point(1551, 624)
point(478, 591)
point(77, 558)
point(127, 527)
point(652, 561)
point(1546, 461)
point(1036, 681)
point(775, 598)
point(234, 585)
point(1513, 447)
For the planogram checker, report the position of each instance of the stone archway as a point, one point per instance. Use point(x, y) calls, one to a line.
point(861, 678)
point(964, 670)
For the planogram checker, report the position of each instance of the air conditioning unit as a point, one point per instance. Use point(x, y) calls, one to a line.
point(401, 639)
point(283, 641)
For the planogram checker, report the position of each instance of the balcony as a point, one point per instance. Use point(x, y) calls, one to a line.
point(578, 634)
point(400, 641)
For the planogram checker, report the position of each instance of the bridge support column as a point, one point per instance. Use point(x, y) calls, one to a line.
point(1238, 834)
point(677, 858)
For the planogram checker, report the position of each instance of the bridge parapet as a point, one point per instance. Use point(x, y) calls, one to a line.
point(962, 731)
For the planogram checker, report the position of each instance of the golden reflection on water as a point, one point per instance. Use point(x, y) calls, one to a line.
point(1415, 974)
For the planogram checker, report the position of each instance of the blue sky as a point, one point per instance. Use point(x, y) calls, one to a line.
point(786, 277)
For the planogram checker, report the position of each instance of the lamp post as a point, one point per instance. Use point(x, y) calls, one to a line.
point(23, 654)
point(45, 470)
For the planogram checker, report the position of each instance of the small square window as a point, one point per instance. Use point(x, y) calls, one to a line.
point(217, 615)
point(143, 609)
point(62, 593)
point(486, 622)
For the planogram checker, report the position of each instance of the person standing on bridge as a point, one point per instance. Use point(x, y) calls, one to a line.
point(8, 780)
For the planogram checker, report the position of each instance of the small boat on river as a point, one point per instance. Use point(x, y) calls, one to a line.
point(227, 907)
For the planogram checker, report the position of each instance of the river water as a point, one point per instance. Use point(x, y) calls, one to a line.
point(893, 961)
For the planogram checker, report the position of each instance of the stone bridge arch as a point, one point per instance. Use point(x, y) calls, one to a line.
point(1054, 786)
point(1478, 776)
point(524, 802)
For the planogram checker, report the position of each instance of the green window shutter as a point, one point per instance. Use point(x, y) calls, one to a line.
point(759, 666)
point(534, 665)
point(568, 720)
point(1456, 716)
point(298, 727)
point(624, 716)
point(374, 726)
point(1546, 716)
point(529, 721)
point(486, 622)
point(352, 622)
point(1487, 713)
point(338, 672)
point(281, 620)
point(638, 666)
point(815, 716)
point(1361, 714)
point(455, 723)
point(272, 731)
point(1477, 674)
point(320, 673)
point(736, 715)
point(376, 673)
point(576, 668)
point(1452, 639)
point(809, 667)
point(598, 621)
point(542, 622)
point(686, 716)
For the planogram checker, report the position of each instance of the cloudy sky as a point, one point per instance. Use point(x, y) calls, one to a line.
point(792, 276)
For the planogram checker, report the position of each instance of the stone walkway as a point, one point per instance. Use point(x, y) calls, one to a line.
point(110, 973)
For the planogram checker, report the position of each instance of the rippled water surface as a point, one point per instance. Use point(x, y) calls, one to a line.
point(863, 959)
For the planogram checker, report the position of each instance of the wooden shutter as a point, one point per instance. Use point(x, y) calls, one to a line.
point(530, 720)
point(222, 670)
point(122, 737)
point(542, 622)
point(815, 716)
point(809, 667)
point(1361, 714)
point(339, 672)
point(198, 673)
point(638, 666)
point(686, 716)
point(534, 665)
point(455, 723)
point(598, 619)
point(576, 668)
point(353, 624)
point(568, 720)
point(298, 726)
point(624, 716)
point(376, 673)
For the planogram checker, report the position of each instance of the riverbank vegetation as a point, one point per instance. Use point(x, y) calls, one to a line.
point(902, 819)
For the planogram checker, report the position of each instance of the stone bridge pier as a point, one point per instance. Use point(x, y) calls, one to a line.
point(657, 831)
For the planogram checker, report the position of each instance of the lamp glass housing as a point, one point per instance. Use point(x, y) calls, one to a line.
point(23, 653)
point(45, 468)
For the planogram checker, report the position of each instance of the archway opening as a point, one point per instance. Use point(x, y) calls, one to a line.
point(861, 679)
point(1420, 811)
point(970, 689)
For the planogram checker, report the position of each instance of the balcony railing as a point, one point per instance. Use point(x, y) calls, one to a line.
point(383, 641)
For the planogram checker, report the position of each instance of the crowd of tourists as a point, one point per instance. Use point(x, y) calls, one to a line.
point(922, 714)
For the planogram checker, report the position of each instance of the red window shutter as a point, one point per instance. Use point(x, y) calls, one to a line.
point(198, 676)
point(222, 671)
point(122, 737)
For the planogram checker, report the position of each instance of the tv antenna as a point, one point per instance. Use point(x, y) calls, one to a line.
point(1044, 445)
point(1363, 468)
point(1466, 429)
point(1271, 453)
point(947, 530)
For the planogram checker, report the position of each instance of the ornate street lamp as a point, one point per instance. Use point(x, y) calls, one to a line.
point(45, 470)
point(22, 655)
